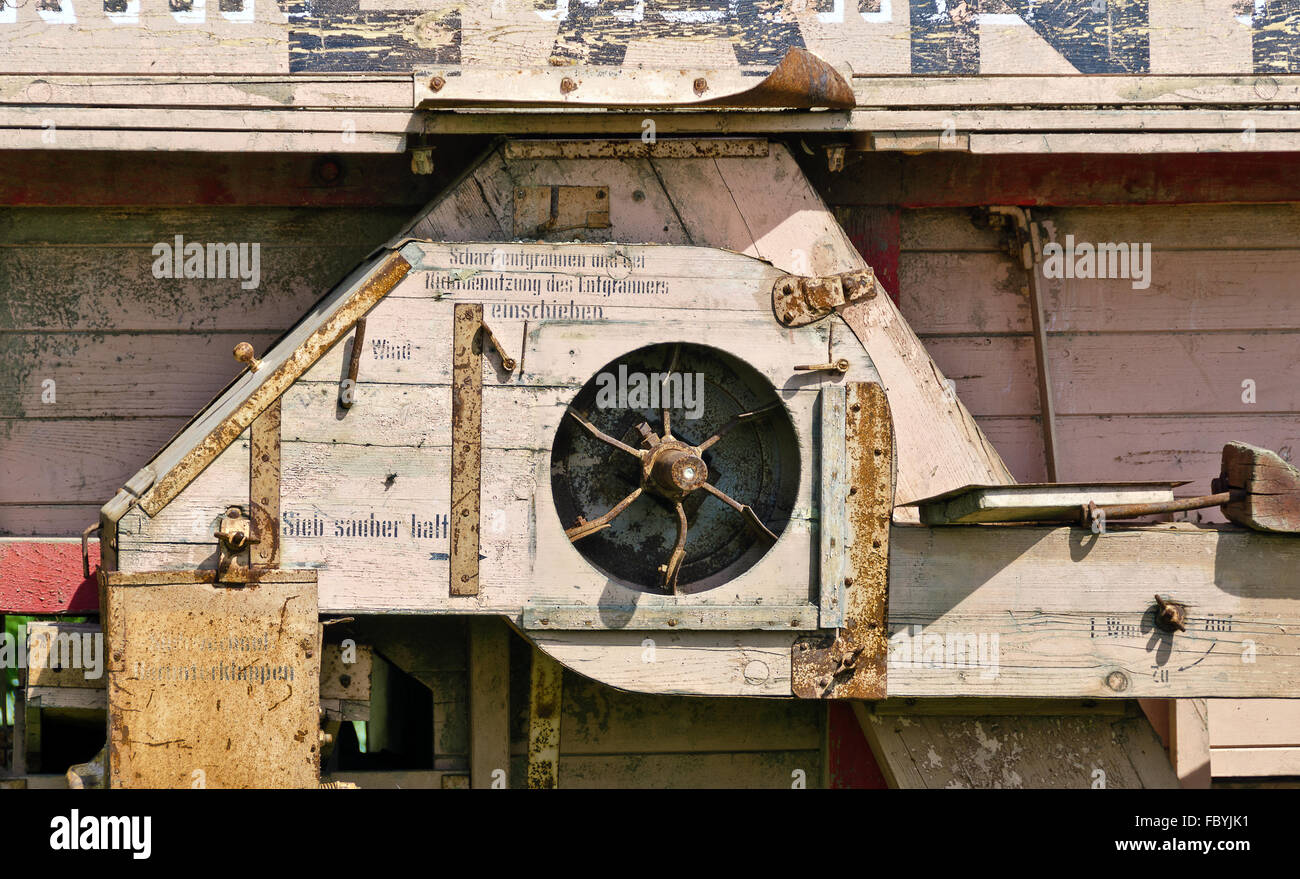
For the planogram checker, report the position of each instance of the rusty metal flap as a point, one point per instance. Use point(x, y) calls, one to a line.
point(212, 686)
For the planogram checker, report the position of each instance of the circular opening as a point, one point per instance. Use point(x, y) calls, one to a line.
point(726, 467)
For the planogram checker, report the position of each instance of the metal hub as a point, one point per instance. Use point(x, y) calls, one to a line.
point(594, 487)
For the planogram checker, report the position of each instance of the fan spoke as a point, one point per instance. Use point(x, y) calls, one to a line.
point(751, 518)
point(586, 529)
point(601, 435)
point(738, 420)
point(668, 573)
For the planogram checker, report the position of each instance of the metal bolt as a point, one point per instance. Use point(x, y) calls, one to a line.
point(437, 83)
point(244, 354)
point(567, 85)
point(1117, 681)
point(1171, 617)
point(848, 581)
point(701, 85)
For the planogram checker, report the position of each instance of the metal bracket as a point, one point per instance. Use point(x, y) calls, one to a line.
point(852, 662)
point(466, 445)
point(798, 301)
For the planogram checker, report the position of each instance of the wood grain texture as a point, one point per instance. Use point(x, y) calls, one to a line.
point(1027, 610)
point(1021, 752)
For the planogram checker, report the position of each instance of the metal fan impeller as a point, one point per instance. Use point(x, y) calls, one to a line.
point(670, 469)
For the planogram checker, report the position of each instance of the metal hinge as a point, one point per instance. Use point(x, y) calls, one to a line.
point(798, 301)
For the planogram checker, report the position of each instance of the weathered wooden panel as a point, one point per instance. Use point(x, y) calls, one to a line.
point(1027, 610)
point(207, 685)
point(1017, 752)
point(762, 769)
point(876, 37)
point(46, 576)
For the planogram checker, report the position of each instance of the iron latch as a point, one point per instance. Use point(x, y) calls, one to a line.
point(798, 301)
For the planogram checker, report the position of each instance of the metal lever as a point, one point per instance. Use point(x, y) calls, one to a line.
point(841, 366)
point(507, 362)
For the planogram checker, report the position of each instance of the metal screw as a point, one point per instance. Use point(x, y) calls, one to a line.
point(437, 83)
point(701, 85)
point(567, 85)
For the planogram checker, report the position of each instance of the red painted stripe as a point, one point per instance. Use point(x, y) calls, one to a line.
point(38, 577)
point(853, 765)
point(874, 231)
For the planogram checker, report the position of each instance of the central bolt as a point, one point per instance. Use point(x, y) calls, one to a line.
point(676, 470)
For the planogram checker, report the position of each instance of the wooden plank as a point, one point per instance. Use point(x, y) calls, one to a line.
point(240, 722)
point(545, 712)
point(151, 140)
point(1251, 762)
point(57, 178)
point(1189, 742)
point(1186, 373)
point(46, 520)
point(764, 769)
point(656, 616)
point(695, 663)
point(1023, 752)
point(45, 577)
point(466, 446)
point(1071, 616)
point(489, 703)
point(1259, 723)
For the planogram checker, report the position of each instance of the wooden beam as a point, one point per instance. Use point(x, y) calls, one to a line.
point(1189, 742)
point(989, 610)
point(264, 488)
point(489, 702)
point(545, 701)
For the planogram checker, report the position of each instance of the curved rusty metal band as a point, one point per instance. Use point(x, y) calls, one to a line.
point(801, 81)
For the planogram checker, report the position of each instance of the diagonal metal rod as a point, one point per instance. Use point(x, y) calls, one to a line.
point(601, 435)
point(747, 511)
point(739, 419)
point(586, 529)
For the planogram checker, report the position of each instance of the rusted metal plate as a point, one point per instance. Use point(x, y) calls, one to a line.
point(544, 714)
point(264, 489)
point(466, 445)
point(544, 210)
point(214, 687)
point(852, 663)
point(661, 148)
point(1272, 486)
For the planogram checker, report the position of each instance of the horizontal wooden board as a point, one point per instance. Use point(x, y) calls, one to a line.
point(46, 520)
point(1247, 723)
point(1095, 374)
point(1248, 762)
point(1205, 290)
point(77, 460)
point(1026, 610)
point(760, 769)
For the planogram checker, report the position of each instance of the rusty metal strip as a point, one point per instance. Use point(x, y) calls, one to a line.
point(376, 286)
point(466, 445)
point(852, 663)
point(662, 148)
point(800, 81)
point(264, 489)
point(545, 700)
point(163, 578)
